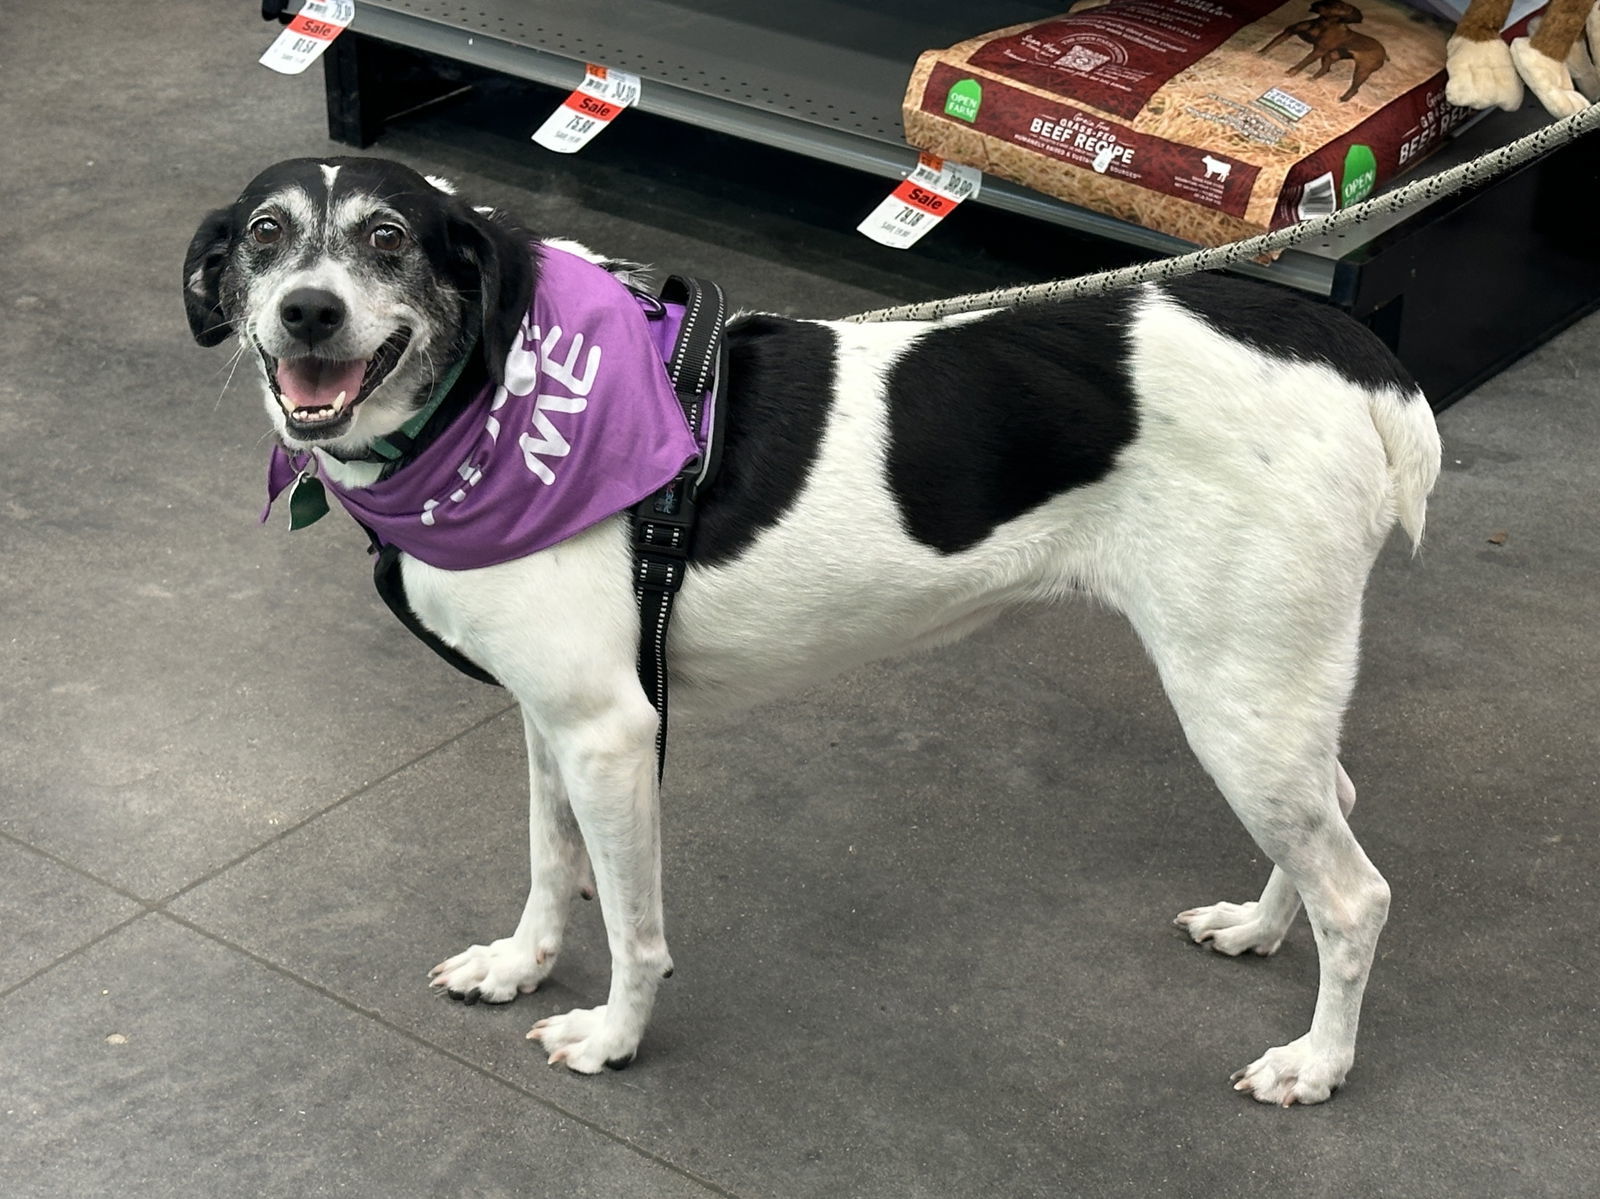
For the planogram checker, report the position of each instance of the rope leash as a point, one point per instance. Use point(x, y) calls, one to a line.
point(1425, 191)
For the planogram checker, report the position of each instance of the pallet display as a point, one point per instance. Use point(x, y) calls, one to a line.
point(1459, 288)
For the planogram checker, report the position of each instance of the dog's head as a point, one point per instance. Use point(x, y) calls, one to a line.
point(1337, 10)
point(358, 284)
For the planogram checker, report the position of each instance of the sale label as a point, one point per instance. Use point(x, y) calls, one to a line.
point(928, 195)
point(310, 33)
point(581, 116)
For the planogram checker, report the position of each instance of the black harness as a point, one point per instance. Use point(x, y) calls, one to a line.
point(663, 523)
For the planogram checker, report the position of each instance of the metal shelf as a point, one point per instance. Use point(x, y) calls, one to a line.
point(824, 79)
point(1457, 288)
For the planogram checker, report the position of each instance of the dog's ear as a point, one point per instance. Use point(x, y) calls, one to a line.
point(202, 278)
point(500, 261)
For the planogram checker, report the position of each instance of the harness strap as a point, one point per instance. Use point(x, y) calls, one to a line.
point(663, 524)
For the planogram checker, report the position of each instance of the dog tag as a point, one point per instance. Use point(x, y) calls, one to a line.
point(308, 502)
point(594, 105)
point(305, 38)
point(928, 195)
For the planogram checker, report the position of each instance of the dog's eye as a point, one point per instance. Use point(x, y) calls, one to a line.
point(387, 237)
point(264, 231)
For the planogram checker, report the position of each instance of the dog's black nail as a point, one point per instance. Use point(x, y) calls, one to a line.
point(620, 1063)
point(667, 973)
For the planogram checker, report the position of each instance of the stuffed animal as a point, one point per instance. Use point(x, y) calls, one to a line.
point(1558, 62)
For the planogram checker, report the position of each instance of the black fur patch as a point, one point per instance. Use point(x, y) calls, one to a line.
point(990, 418)
point(1288, 325)
point(781, 376)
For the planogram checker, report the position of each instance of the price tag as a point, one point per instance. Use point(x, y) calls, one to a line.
point(928, 195)
point(305, 38)
point(596, 102)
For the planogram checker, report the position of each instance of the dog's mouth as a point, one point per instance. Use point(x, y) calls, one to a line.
point(321, 394)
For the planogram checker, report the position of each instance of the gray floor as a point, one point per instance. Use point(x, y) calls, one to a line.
point(920, 917)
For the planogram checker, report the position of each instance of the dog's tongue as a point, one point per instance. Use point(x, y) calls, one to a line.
point(316, 383)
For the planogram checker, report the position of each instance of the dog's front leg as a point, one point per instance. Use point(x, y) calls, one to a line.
point(1305, 62)
point(499, 971)
point(607, 760)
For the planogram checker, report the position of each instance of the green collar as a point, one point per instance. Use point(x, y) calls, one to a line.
point(403, 438)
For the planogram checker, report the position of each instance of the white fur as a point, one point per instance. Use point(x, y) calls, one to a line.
point(1236, 532)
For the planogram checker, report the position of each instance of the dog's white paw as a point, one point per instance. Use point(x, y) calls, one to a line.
point(1292, 1073)
point(495, 973)
point(1231, 928)
point(581, 1041)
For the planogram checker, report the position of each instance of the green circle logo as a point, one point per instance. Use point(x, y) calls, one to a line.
point(962, 100)
point(1360, 175)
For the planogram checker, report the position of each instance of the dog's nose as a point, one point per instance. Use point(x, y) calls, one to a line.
point(311, 314)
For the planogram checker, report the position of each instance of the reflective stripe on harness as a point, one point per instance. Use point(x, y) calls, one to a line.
point(663, 524)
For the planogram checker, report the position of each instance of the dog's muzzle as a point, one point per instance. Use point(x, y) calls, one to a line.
point(319, 394)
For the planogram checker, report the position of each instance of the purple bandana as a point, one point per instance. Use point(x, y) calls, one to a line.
point(585, 425)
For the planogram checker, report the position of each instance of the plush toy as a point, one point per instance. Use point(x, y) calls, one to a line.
point(1558, 62)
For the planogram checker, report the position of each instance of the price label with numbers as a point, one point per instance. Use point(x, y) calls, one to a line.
point(928, 195)
point(596, 102)
point(305, 38)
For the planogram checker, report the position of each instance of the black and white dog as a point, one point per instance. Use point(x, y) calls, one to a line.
point(1219, 461)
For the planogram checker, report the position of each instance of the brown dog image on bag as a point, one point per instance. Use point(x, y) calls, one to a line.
point(1332, 39)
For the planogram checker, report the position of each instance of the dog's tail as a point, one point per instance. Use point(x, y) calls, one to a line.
point(1411, 444)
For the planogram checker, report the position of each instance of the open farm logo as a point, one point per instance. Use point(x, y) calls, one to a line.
point(1360, 175)
point(963, 99)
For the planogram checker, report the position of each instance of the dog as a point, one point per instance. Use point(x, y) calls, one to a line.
point(1332, 39)
point(1218, 460)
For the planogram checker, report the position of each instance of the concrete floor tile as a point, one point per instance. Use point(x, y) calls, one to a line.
point(160, 1063)
point(47, 910)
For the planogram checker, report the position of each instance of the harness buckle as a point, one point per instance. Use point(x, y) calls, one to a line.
point(663, 523)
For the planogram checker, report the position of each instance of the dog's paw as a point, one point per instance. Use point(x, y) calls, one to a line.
point(495, 973)
point(1231, 928)
point(1292, 1073)
point(581, 1041)
point(1482, 75)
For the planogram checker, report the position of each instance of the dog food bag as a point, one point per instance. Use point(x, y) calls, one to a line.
point(1211, 120)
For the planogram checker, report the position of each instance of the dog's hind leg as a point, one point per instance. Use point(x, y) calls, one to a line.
point(1259, 675)
point(1260, 925)
point(499, 971)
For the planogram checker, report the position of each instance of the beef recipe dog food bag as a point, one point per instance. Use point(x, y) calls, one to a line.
point(1189, 116)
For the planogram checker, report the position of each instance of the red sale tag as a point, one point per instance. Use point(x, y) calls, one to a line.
point(928, 195)
point(918, 197)
point(582, 115)
point(305, 38)
point(601, 110)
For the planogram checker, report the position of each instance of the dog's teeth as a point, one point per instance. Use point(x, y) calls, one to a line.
point(338, 401)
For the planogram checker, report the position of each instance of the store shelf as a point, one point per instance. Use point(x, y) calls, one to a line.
point(825, 78)
point(820, 79)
